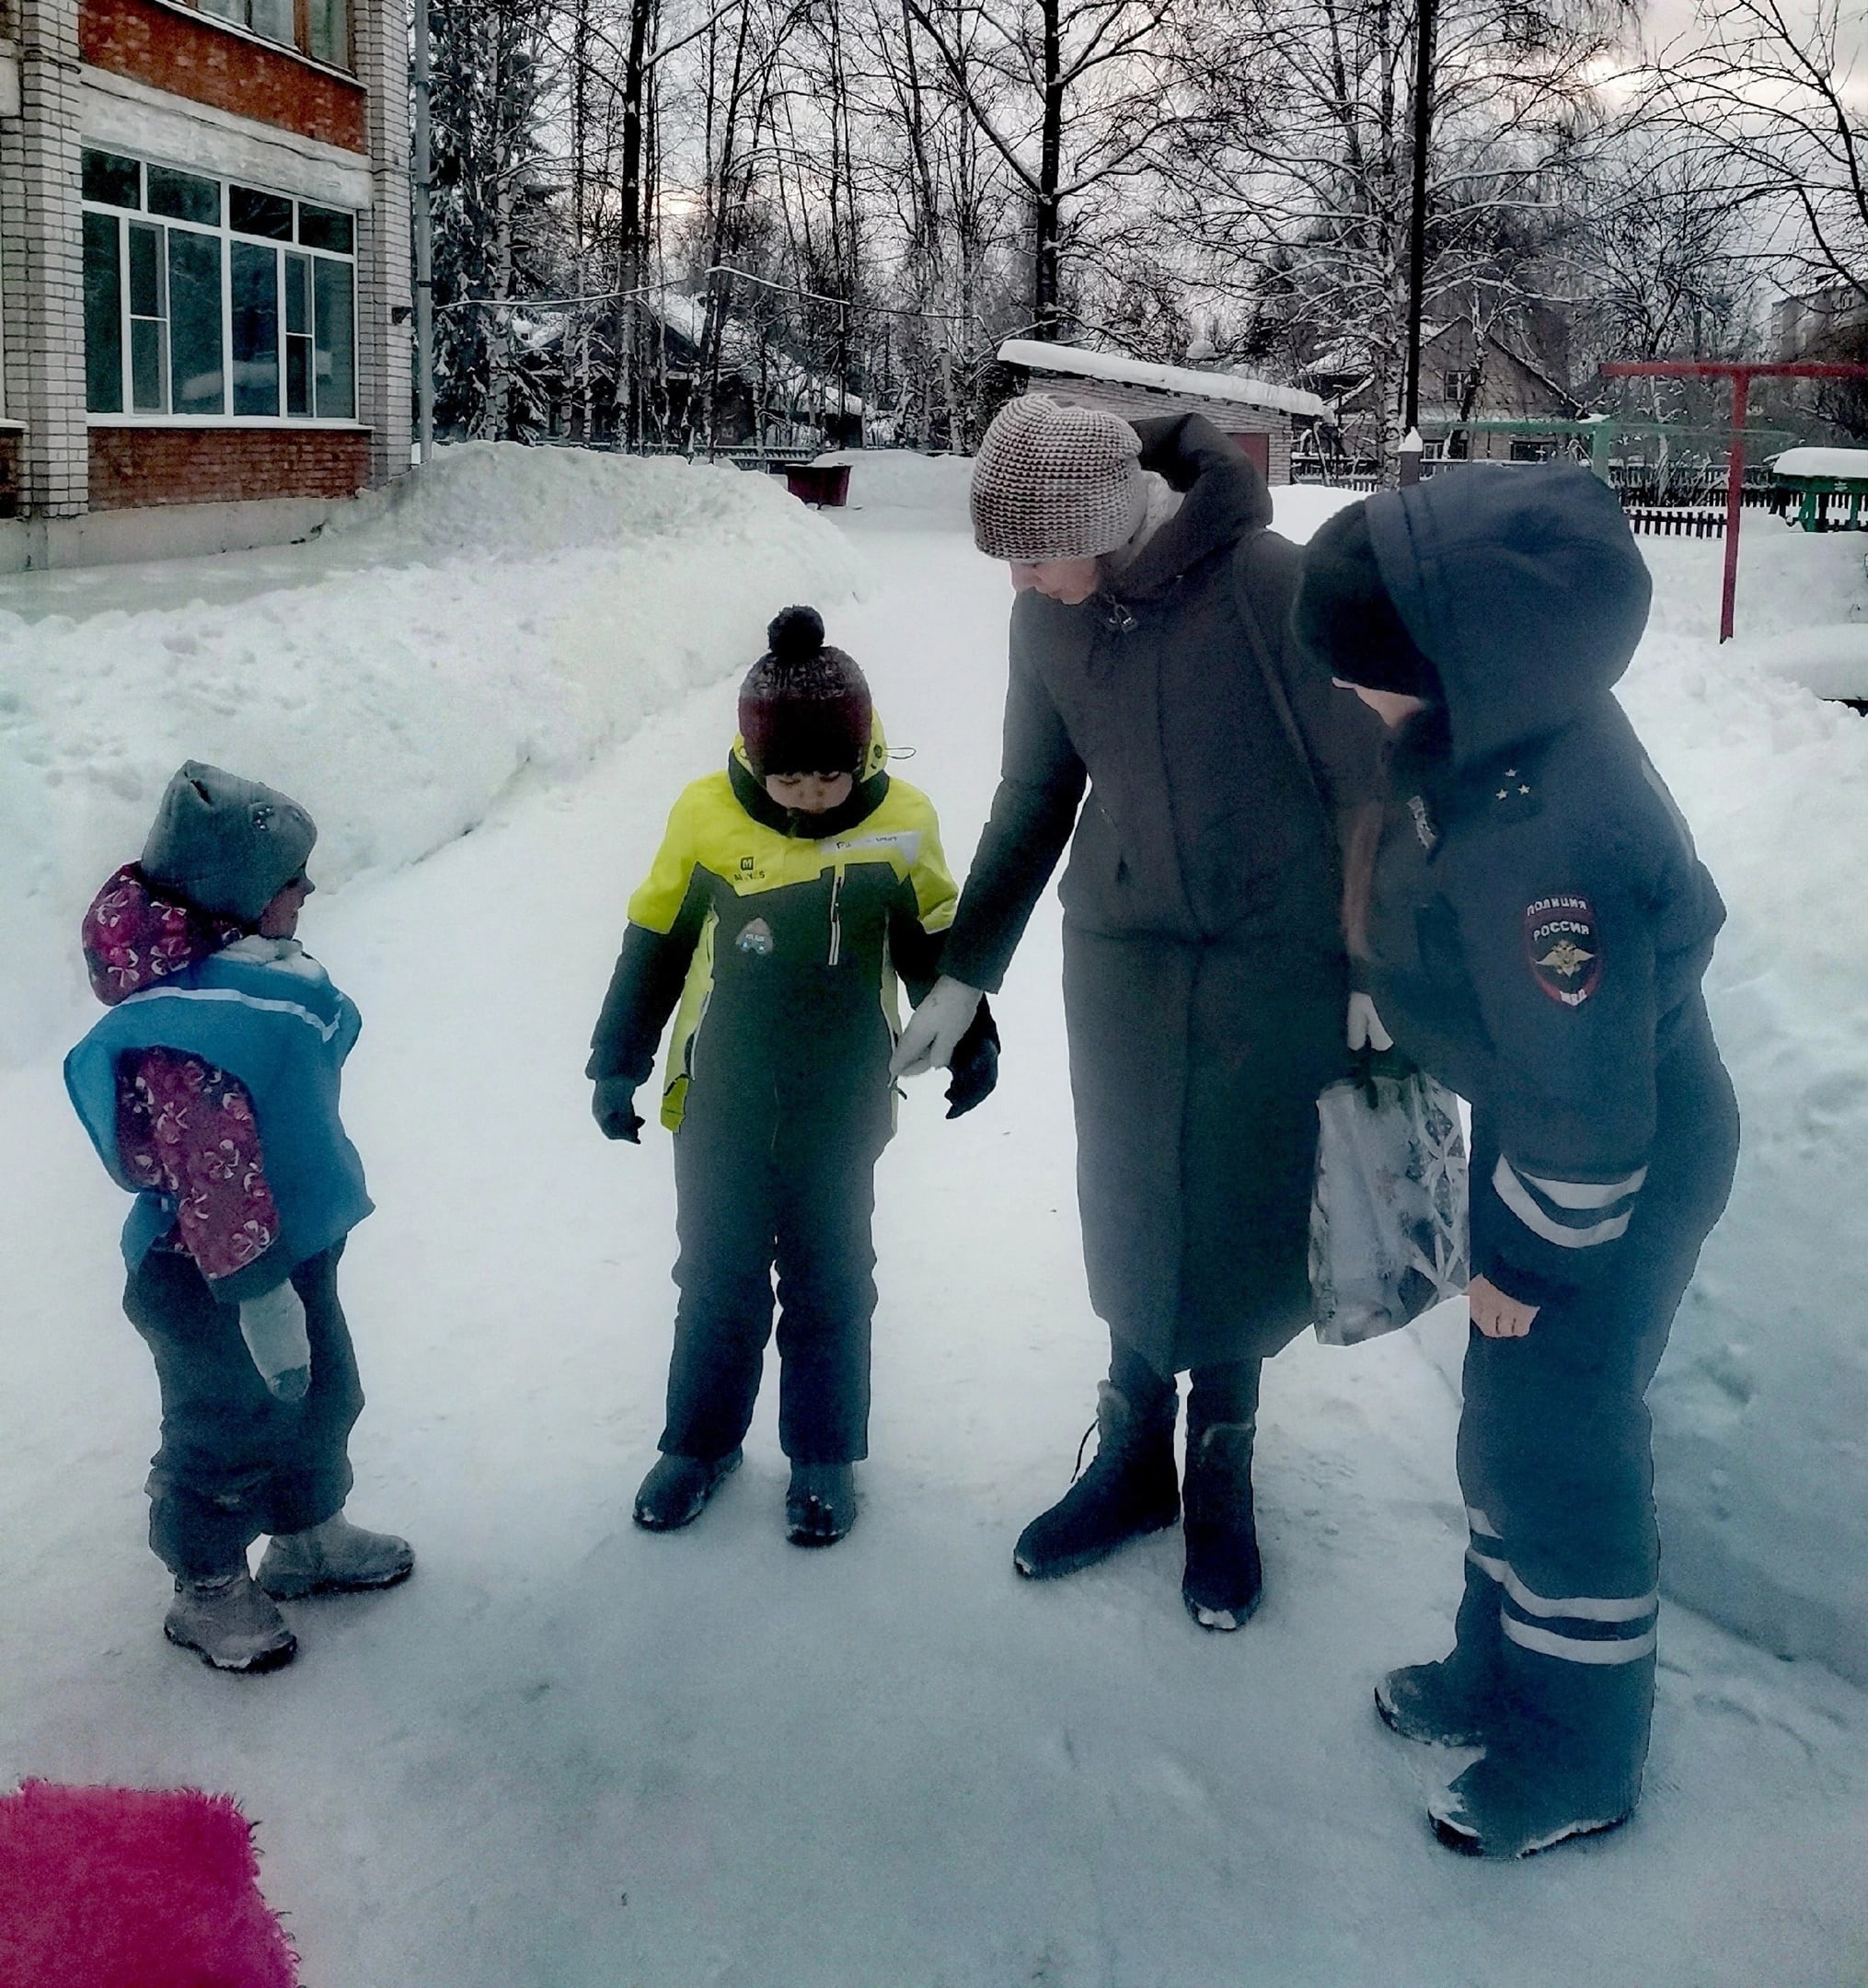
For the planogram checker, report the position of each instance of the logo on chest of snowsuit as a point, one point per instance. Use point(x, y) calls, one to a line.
point(1563, 948)
point(757, 939)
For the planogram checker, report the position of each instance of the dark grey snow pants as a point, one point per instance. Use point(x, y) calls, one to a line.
point(234, 1463)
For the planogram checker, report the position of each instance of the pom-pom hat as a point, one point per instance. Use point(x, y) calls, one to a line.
point(804, 707)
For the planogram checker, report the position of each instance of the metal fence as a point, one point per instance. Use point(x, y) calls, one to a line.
point(741, 456)
point(1672, 522)
point(1308, 470)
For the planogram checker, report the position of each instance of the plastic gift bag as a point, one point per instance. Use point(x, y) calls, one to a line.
point(1388, 1218)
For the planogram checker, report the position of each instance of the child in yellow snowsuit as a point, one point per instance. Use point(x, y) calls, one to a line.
point(791, 888)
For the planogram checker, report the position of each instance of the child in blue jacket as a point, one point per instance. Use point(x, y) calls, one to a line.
point(210, 1090)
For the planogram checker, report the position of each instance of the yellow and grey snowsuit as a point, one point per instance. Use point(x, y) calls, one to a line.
point(777, 941)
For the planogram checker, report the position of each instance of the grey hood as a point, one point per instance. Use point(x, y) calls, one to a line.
point(1524, 587)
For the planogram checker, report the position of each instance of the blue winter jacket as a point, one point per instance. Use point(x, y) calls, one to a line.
point(267, 1014)
point(1539, 923)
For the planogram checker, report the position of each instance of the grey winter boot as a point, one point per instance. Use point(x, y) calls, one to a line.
point(1225, 1580)
point(335, 1557)
point(231, 1625)
point(1455, 1701)
point(1565, 1760)
point(676, 1489)
point(1130, 1489)
point(820, 1506)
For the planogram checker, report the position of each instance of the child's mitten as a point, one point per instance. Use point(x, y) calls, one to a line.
point(613, 1105)
point(974, 1068)
point(274, 1327)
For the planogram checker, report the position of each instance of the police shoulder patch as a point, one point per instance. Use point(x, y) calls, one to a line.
point(1563, 948)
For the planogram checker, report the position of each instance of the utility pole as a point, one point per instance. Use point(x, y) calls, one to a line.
point(425, 245)
point(1417, 238)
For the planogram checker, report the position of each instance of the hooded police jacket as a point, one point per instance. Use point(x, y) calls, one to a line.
point(1538, 922)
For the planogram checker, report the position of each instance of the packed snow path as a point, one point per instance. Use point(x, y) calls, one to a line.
point(571, 1753)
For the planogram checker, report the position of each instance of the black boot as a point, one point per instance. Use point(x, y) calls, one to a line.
point(1129, 1489)
point(1565, 1760)
point(675, 1491)
point(1224, 1581)
point(1455, 1701)
point(820, 1506)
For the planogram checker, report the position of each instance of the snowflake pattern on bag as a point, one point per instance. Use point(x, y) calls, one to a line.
point(1389, 1216)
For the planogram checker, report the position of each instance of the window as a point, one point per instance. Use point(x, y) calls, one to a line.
point(327, 34)
point(205, 299)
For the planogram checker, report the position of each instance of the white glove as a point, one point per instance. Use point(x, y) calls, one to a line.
point(935, 1028)
point(273, 1328)
point(1365, 1030)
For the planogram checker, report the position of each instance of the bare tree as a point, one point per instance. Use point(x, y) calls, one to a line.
point(1071, 96)
point(1293, 176)
point(1768, 100)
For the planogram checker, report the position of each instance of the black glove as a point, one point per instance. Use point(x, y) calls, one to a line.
point(974, 1068)
point(613, 1105)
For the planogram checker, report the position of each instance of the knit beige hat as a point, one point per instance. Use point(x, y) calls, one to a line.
point(1055, 482)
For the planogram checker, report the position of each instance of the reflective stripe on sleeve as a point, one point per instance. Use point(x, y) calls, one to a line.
point(1587, 1193)
point(1544, 1220)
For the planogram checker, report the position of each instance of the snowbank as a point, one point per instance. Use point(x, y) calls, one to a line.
point(512, 610)
point(1297, 509)
point(905, 489)
point(1761, 1406)
point(1831, 660)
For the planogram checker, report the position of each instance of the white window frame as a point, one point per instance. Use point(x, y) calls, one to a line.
point(125, 218)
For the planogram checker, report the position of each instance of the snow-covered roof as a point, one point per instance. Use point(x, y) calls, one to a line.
point(1822, 462)
point(785, 375)
point(1072, 359)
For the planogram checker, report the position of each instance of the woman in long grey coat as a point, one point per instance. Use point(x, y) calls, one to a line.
point(1205, 983)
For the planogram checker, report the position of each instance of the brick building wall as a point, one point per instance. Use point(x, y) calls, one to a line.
point(42, 283)
point(135, 466)
point(172, 48)
point(384, 286)
point(195, 74)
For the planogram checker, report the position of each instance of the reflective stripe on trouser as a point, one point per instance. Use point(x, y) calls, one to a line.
point(1589, 1629)
point(1555, 1458)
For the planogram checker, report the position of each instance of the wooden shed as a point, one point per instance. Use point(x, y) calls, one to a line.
point(1262, 417)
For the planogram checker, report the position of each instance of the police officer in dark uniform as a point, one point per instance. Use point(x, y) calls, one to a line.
point(1534, 929)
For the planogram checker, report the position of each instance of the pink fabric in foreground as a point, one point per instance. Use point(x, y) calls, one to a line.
point(133, 1888)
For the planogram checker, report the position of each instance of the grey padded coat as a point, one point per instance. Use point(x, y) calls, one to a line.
point(1204, 973)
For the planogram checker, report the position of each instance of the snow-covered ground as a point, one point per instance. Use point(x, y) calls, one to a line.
point(570, 1753)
